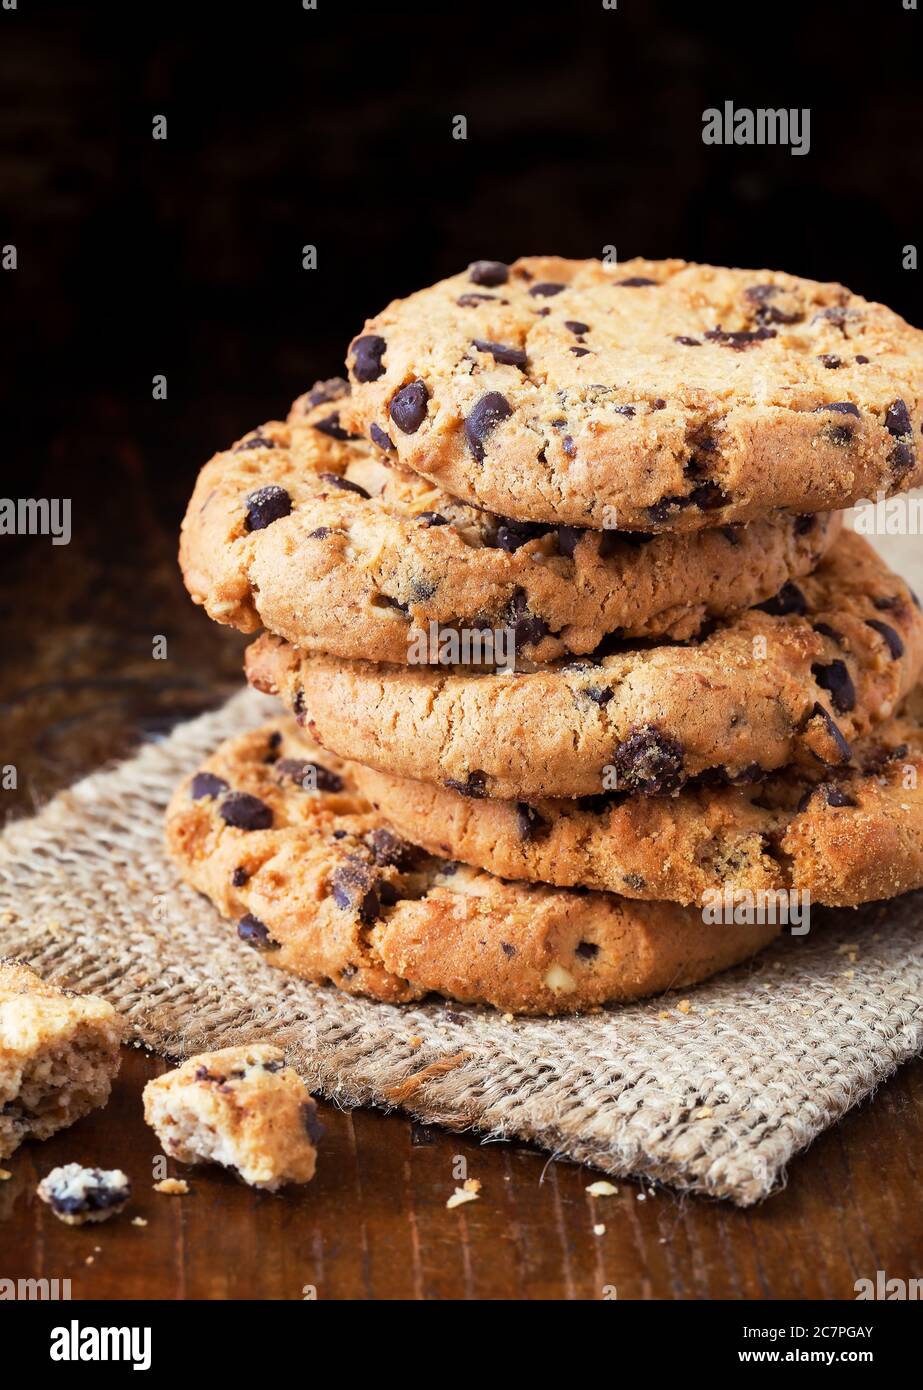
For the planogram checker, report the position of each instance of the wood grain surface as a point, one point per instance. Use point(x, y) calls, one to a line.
point(84, 688)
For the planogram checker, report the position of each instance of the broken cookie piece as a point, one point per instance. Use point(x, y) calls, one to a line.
point(59, 1052)
point(241, 1107)
point(77, 1195)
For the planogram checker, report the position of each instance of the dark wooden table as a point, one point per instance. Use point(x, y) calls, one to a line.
point(80, 686)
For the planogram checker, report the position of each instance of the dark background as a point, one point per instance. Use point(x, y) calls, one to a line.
point(334, 127)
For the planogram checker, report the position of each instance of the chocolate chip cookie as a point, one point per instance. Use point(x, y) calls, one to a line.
point(655, 395)
point(846, 835)
point(326, 541)
point(277, 834)
point(793, 681)
point(242, 1108)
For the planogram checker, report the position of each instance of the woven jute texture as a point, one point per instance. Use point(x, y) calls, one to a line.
point(714, 1100)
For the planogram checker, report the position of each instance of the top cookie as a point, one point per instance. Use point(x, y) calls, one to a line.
point(655, 395)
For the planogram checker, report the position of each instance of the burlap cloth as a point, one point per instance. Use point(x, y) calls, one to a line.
point(712, 1100)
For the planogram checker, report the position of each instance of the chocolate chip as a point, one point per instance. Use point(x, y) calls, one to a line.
point(508, 950)
point(830, 360)
point(575, 326)
point(740, 340)
point(256, 933)
point(599, 694)
point(580, 351)
point(433, 519)
point(839, 435)
point(547, 288)
point(835, 796)
point(510, 534)
point(732, 535)
point(254, 441)
point(378, 436)
point(239, 877)
point(317, 776)
point(528, 628)
point(489, 273)
point(298, 706)
point(475, 785)
point(636, 282)
point(569, 447)
point(902, 457)
point(826, 630)
point(627, 410)
point(408, 407)
point(569, 538)
point(500, 352)
point(895, 645)
point(687, 342)
point(207, 784)
point(421, 590)
point(634, 881)
point(861, 360)
point(897, 419)
point(331, 427)
point(344, 485)
point(840, 407)
point(888, 603)
point(649, 762)
point(320, 533)
point(484, 418)
point(310, 1122)
point(471, 301)
point(836, 680)
point(369, 350)
point(355, 888)
point(789, 599)
point(245, 812)
point(529, 823)
point(877, 760)
point(586, 950)
point(804, 525)
point(708, 496)
point(833, 730)
point(324, 392)
point(266, 505)
point(389, 849)
point(663, 510)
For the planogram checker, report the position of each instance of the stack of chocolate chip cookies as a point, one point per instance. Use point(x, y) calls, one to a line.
point(586, 681)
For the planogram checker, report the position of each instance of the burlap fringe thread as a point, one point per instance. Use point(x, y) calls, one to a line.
point(715, 1100)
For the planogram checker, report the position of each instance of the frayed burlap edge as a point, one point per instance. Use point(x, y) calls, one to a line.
point(715, 1100)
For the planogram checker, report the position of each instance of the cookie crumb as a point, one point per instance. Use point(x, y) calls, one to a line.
point(471, 1185)
point(599, 1229)
point(138, 1221)
point(602, 1189)
point(460, 1196)
point(77, 1194)
point(172, 1187)
point(684, 1006)
point(5, 1175)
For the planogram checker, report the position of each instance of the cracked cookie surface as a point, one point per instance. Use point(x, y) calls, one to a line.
point(277, 834)
point(794, 681)
point(848, 835)
point(323, 541)
point(653, 395)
